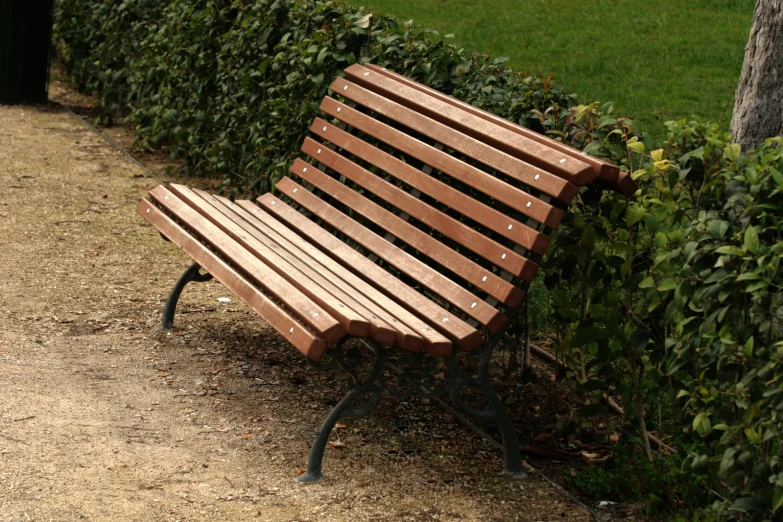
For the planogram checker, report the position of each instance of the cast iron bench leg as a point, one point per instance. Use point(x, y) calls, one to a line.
point(411, 379)
point(191, 274)
point(494, 411)
point(369, 385)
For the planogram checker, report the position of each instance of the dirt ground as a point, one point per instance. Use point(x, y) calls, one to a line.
point(102, 418)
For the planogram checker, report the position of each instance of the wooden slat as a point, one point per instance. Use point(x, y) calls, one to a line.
point(572, 169)
point(400, 335)
point(496, 221)
point(332, 300)
point(288, 266)
point(515, 198)
point(614, 178)
point(279, 288)
point(425, 275)
point(462, 334)
point(290, 328)
point(468, 237)
point(434, 342)
point(546, 182)
point(424, 243)
point(418, 334)
point(431, 341)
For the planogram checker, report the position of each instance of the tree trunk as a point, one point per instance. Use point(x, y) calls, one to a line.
point(758, 105)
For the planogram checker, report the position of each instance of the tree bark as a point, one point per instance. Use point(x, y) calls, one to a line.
point(758, 105)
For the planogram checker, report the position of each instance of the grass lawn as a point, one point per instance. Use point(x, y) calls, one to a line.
point(658, 60)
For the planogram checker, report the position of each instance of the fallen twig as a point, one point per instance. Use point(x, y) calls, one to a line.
point(13, 439)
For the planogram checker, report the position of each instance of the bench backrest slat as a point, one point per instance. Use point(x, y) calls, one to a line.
point(466, 236)
point(420, 180)
point(570, 168)
point(474, 177)
point(610, 175)
point(517, 169)
point(463, 267)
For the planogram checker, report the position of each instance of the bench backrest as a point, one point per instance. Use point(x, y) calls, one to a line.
point(452, 200)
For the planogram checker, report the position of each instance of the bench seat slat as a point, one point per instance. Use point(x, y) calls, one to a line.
point(526, 173)
point(331, 299)
point(461, 333)
point(459, 232)
point(515, 198)
point(571, 168)
point(427, 276)
point(291, 268)
point(462, 266)
point(379, 319)
point(278, 287)
point(614, 178)
point(487, 216)
point(303, 339)
point(432, 341)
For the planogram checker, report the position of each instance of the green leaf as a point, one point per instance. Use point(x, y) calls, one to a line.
point(747, 505)
point(749, 276)
point(751, 241)
point(728, 249)
point(698, 420)
point(648, 282)
point(634, 214)
point(637, 146)
point(733, 151)
point(753, 436)
point(667, 284)
point(777, 499)
point(584, 335)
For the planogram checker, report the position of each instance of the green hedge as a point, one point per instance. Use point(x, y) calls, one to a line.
point(670, 302)
point(231, 87)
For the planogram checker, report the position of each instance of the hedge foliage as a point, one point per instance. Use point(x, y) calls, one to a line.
point(670, 301)
point(231, 87)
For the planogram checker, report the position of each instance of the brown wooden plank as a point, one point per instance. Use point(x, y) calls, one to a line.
point(571, 168)
point(473, 273)
point(334, 302)
point(496, 221)
point(425, 275)
point(290, 328)
point(515, 198)
point(615, 178)
point(468, 237)
point(272, 283)
point(381, 328)
point(462, 334)
point(605, 170)
point(434, 342)
point(624, 184)
point(546, 182)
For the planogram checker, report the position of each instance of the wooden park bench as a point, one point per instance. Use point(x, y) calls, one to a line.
point(407, 234)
